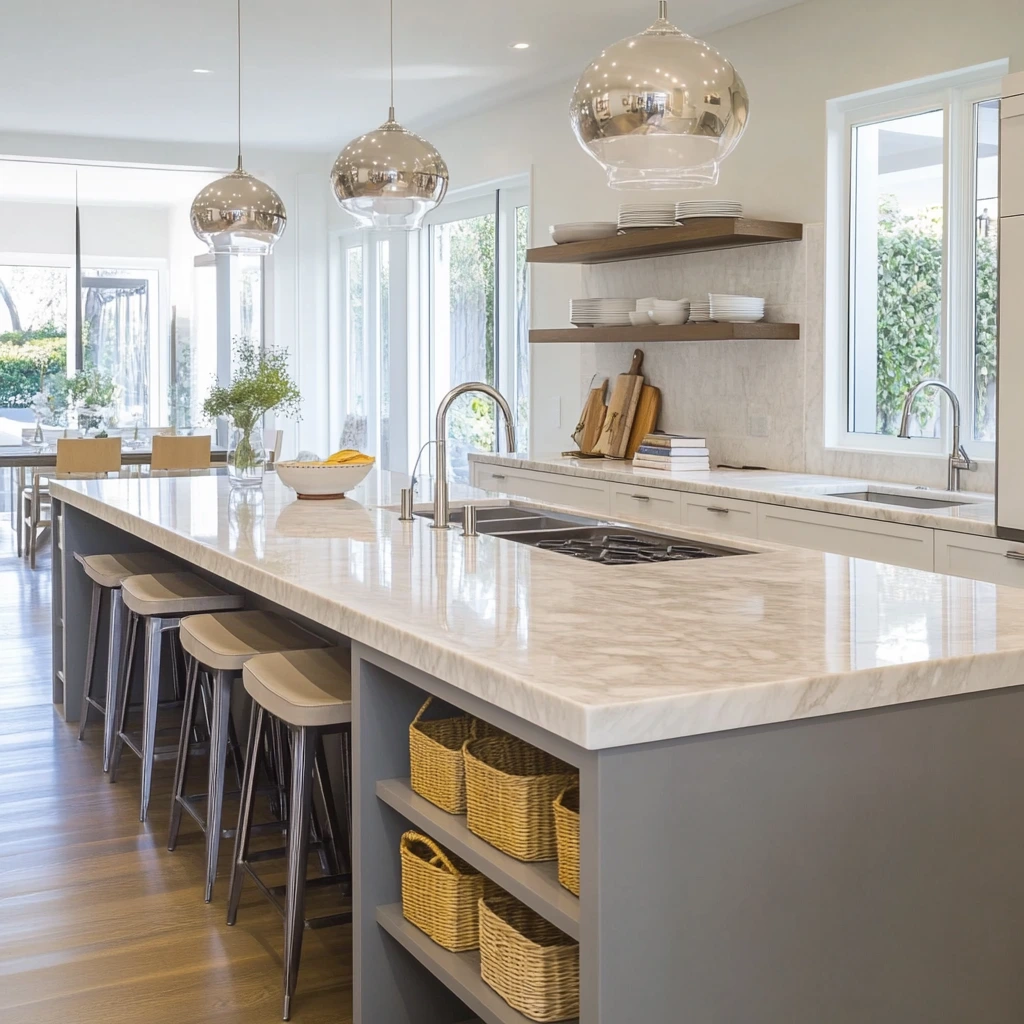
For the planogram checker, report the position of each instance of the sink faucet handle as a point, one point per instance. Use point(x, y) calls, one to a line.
point(965, 461)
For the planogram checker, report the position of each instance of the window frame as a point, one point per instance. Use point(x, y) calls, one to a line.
point(956, 95)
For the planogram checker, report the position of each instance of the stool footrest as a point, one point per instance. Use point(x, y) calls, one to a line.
point(274, 893)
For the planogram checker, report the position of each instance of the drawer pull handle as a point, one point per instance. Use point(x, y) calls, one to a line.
point(644, 497)
point(497, 476)
point(1017, 556)
point(717, 508)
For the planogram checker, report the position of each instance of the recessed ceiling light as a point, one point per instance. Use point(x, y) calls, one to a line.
point(520, 46)
point(201, 71)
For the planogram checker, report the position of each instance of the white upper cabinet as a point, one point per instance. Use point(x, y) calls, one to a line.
point(1011, 156)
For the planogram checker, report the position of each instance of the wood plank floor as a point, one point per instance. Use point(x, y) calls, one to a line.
point(98, 922)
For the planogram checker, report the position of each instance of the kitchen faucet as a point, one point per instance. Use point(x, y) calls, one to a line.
point(958, 457)
point(441, 508)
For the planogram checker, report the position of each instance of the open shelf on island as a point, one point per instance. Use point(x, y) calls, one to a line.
point(690, 236)
point(684, 332)
point(460, 972)
point(534, 884)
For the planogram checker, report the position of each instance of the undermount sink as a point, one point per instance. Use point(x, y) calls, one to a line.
point(904, 500)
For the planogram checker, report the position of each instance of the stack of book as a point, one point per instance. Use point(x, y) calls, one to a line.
point(673, 453)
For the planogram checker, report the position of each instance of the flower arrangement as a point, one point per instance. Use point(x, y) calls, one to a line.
point(260, 384)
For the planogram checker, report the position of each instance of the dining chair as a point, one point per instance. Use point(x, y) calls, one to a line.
point(76, 457)
point(273, 441)
point(180, 454)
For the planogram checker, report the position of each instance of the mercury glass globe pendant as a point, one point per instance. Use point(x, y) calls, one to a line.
point(389, 178)
point(660, 110)
point(238, 214)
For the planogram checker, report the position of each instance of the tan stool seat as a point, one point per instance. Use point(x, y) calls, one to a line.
point(303, 688)
point(172, 594)
point(111, 571)
point(228, 640)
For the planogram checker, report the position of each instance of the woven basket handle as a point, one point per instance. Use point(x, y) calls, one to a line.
point(423, 710)
point(440, 858)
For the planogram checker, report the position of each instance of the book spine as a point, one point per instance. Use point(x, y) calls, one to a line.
point(673, 453)
point(677, 442)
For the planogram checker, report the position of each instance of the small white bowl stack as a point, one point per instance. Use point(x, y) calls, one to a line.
point(666, 312)
point(707, 208)
point(736, 309)
point(601, 312)
point(646, 215)
point(700, 310)
point(583, 231)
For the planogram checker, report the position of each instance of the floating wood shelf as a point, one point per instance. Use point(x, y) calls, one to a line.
point(690, 236)
point(685, 332)
point(535, 884)
point(460, 972)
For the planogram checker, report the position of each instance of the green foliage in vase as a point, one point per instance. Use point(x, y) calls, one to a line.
point(89, 387)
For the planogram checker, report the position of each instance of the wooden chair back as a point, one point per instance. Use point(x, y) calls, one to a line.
point(272, 441)
point(88, 455)
point(170, 453)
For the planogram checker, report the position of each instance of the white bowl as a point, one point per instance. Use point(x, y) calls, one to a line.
point(584, 231)
point(669, 319)
point(670, 305)
point(317, 481)
point(640, 319)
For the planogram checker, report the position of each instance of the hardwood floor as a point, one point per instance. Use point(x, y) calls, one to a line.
point(98, 922)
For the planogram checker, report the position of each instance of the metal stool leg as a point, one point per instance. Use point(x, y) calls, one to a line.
point(90, 656)
point(122, 717)
point(222, 685)
point(303, 761)
point(188, 720)
point(150, 704)
point(252, 758)
point(116, 653)
point(330, 831)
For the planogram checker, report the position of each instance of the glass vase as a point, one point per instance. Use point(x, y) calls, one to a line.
point(247, 458)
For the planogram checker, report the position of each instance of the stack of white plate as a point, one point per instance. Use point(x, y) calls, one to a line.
point(601, 312)
point(646, 215)
point(700, 310)
point(583, 231)
point(707, 208)
point(737, 309)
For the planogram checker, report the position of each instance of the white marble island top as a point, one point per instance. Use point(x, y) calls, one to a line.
point(796, 490)
point(601, 655)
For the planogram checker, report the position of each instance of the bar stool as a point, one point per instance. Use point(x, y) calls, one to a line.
point(107, 573)
point(311, 693)
point(160, 599)
point(221, 644)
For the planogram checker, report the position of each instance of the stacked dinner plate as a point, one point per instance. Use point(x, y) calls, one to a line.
point(736, 309)
point(646, 215)
point(707, 208)
point(700, 310)
point(601, 312)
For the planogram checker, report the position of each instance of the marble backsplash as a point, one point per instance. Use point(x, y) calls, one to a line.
point(759, 403)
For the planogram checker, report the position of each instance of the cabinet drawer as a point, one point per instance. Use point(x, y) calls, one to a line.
point(645, 502)
point(573, 492)
point(494, 478)
point(720, 515)
point(894, 543)
point(979, 558)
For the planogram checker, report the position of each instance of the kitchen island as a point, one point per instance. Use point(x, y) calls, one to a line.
point(800, 772)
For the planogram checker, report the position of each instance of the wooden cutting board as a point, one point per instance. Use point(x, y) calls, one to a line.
point(588, 430)
point(646, 419)
point(621, 410)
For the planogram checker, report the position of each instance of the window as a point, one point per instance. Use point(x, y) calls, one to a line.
point(913, 217)
point(417, 313)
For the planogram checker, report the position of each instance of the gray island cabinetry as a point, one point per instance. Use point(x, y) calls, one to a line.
point(800, 774)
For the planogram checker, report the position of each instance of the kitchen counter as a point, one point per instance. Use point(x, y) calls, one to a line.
point(799, 772)
point(603, 656)
point(796, 490)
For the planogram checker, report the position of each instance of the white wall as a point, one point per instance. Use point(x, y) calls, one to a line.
point(792, 61)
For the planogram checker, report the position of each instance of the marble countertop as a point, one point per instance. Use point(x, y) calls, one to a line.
point(601, 655)
point(798, 490)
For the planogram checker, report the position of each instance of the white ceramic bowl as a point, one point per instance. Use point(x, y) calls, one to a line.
point(313, 480)
point(670, 319)
point(670, 305)
point(645, 305)
point(641, 319)
point(583, 231)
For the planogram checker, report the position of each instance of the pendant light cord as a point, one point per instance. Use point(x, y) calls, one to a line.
point(238, 25)
point(391, 117)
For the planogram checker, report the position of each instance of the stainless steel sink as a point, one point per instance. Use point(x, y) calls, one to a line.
point(904, 500)
point(590, 540)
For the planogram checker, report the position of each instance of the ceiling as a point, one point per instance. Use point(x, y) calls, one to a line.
point(315, 71)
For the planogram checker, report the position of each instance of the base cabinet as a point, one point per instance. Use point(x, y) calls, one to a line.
point(979, 558)
point(654, 503)
point(720, 515)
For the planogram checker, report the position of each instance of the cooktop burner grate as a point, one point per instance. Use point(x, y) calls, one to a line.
point(626, 548)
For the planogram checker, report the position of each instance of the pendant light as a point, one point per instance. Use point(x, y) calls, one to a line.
point(660, 109)
point(389, 178)
point(238, 214)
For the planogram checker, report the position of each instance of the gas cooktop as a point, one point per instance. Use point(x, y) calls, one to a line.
point(614, 547)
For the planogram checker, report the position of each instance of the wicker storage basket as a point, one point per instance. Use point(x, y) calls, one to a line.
point(510, 792)
point(567, 837)
point(533, 966)
point(440, 893)
point(435, 757)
